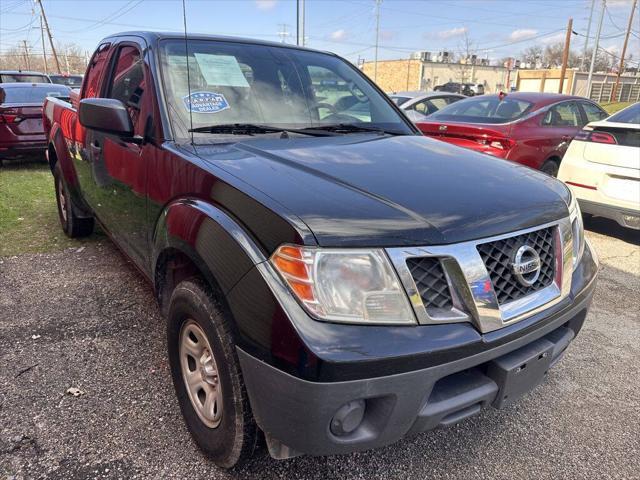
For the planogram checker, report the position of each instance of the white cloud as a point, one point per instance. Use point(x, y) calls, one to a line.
point(386, 35)
point(446, 34)
point(618, 3)
point(265, 4)
point(558, 37)
point(613, 49)
point(338, 35)
point(522, 34)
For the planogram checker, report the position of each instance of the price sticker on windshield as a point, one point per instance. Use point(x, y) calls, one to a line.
point(205, 102)
point(221, 70)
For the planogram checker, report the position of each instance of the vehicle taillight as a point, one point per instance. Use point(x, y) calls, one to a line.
point(498, 143)
point(601, 137)
point(5, 118)
point(596, 137)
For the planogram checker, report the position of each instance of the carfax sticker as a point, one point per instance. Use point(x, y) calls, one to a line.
point(205, 102)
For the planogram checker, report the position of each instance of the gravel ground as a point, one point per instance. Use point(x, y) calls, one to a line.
point(85, 319)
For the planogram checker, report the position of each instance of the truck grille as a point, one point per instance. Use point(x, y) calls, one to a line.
point(497, 257)
point(431, 282)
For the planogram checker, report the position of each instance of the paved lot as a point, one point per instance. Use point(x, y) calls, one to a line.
point(86, 319)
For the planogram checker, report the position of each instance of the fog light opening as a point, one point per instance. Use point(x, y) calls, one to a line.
point(348, 418)
point(632, 221)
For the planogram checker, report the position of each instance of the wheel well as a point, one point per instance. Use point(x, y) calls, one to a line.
point(174, 266)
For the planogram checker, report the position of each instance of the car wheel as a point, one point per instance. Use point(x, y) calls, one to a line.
point(550, 167)
point(73, 225)
point(207, 377)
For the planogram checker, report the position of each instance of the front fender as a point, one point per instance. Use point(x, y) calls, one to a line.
point(221, 249)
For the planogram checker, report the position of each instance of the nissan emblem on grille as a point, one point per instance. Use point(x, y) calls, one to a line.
point(526, 265)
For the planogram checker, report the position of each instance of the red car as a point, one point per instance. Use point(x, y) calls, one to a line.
point(534, 129)
point(21, 130)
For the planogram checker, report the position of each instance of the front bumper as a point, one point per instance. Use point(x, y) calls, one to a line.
point(296, 414)
point(626, 217)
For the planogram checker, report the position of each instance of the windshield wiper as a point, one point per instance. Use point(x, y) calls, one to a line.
point(352, 128)
point(255, 129)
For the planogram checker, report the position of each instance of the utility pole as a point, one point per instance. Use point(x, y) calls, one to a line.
point(595, 49)
point(586, 38)
point(26, 55)
point(375, 64)
point(44, 50)
point(565, 54)
point(300, 29)
point(283, 33)
point(46, 25)
point(66, 59)
point(624, 51)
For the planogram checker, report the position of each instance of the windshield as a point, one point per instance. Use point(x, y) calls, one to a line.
point(258, 84)
point(484, 110)
point(628, 115)
point(21, 78)
point(35, 94)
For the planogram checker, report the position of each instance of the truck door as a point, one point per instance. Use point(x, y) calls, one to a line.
point(119, 169)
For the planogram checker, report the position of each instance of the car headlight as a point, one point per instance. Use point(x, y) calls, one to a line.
point(577, 229)
point(344, 285)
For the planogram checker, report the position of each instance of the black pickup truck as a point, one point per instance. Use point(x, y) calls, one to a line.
point(329, 276)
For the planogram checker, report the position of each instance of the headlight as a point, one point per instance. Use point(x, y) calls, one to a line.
point(349, 285)
point(577, 229)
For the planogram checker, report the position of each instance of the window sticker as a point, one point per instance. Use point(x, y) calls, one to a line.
point(205, 102)
point(221, 70)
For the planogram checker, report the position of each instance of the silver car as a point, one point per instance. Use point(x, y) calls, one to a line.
point(418, 105)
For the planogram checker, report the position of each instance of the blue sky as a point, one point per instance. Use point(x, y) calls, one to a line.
point(495, 28)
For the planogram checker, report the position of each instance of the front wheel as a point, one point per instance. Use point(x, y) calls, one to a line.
point(207, 377)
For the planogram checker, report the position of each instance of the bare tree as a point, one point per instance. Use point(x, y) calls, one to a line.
point(532, 56)
point(466, 60)
point(70, 55)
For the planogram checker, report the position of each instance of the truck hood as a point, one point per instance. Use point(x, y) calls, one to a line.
point(371, 190)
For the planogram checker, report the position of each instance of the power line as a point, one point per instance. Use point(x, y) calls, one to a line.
point(13, 6)
point(106, 20)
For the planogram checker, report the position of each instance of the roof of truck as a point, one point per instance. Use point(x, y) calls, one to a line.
point(152, 37)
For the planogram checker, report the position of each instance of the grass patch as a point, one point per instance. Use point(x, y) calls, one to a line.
point(614, 107)
point(28, 214)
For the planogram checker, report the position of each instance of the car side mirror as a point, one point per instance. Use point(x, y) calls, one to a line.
point(105, 115)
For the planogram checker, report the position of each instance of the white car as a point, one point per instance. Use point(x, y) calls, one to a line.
point(602, 167)
point(418, 105)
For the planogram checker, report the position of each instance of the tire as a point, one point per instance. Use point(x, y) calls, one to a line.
point(550, 167)
point(227, 434)
point(72, 225)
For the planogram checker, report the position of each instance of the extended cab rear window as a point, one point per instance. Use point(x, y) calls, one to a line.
point(484, 110)
point(73, 81)
point(35, 94)
point(263, 84)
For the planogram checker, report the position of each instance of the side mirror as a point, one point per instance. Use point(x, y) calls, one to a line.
point(105, 115)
